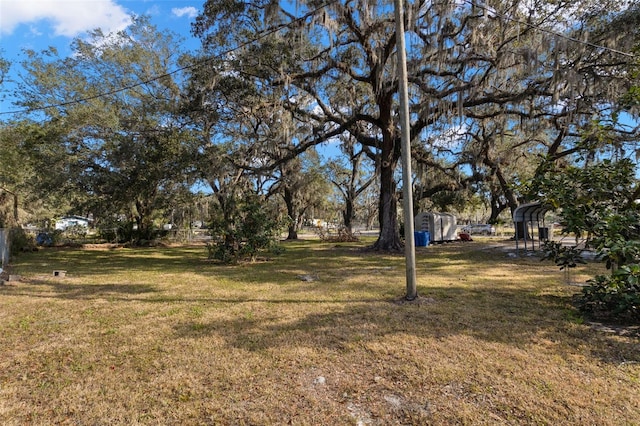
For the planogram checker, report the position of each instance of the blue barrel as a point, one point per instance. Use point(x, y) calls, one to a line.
point(421, 239)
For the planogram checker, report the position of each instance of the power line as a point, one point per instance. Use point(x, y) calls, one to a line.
point(259, 37)
point(277, 28)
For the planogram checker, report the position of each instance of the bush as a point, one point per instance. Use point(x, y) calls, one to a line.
point(598, 200)
point(75, 232)
point(615, 296)
point(564, 257)
point(21, 241)
point(242, 229)
point(117, 232)
point(48, 238)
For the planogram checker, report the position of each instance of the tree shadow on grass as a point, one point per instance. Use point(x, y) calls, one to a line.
point(103, 262)
point(312, 257)
point(61, 290)
point(518, 319)
point(324, 315)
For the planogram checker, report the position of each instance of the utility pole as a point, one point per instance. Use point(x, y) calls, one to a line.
point(407, 193)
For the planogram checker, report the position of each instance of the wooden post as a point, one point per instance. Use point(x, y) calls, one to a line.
point(407, 193)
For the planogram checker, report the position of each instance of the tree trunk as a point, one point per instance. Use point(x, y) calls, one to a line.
point(512, 200)
point(293, 214)
point(496, 208)
point(293, 233)
point(143, 220)
point(228, 207)
point(389, 238)
point(347, 215)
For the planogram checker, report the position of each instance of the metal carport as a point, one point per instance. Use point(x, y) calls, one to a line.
point(524, 217)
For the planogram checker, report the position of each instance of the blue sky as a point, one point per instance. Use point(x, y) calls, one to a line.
point(38, 24)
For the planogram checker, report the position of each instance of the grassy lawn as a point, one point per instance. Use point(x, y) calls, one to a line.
point(318, 335)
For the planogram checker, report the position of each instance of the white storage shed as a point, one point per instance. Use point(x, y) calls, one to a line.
point(440, 226)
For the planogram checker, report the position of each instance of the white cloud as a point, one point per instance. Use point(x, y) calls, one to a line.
point(68, 18)
point(153, 10)
point(34, 31)
point(190, 12)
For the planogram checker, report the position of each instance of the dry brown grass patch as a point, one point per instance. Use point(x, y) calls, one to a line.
point(158, 336)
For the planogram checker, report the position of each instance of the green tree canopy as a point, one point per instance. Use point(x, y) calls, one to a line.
point(333, 67)
point(110, 119)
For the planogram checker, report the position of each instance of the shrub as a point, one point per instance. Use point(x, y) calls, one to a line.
point(241, 229)
point(598, 201)
point(563, 256)
point(615, 296)
point(21, 241)
point(75, 232)
point(117, 232)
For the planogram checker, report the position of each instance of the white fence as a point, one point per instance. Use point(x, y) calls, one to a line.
point(4, 247)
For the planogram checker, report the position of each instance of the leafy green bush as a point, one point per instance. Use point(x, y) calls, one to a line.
point(241, 228)
point(563, 256)
point(56, 237)
point(75, 233)
point(614, 296)
point(566, 257)
point(599, 201)
point(117, 232)
point(21, 241)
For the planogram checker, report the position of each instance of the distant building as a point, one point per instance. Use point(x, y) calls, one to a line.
point(68, 221)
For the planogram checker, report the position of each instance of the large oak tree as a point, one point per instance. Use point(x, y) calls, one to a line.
point(334, 65)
